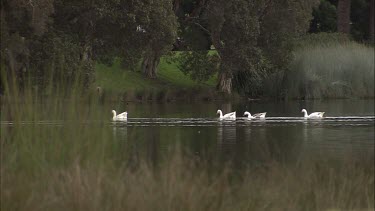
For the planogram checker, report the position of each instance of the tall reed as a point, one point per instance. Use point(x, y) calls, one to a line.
point(330, 69)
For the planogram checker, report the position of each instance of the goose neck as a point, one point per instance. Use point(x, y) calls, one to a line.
point(221, 113)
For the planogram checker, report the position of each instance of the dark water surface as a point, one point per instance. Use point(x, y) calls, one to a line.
point(346, 130)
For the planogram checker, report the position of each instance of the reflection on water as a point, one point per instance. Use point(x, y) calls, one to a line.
point(120, 131)
point(284, 135)
point(226, 138)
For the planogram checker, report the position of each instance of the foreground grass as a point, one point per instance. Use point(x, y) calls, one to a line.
point(179, 184)
point(75, 163)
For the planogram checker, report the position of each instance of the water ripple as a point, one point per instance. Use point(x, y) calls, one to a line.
point(193, 122)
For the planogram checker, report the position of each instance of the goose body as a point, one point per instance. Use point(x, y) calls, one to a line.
point(120, 117)
point(231, 115)
point(257, 115)
point(313, 115)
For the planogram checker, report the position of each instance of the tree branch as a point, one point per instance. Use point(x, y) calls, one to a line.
point(201, 27)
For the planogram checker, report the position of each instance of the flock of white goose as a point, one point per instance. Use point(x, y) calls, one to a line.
point(229, 116)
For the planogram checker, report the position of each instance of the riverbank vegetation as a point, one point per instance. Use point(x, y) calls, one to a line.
point(323, 66)
point(55, 155)
point(172, 84)
point(246, 48)
point(330, 67)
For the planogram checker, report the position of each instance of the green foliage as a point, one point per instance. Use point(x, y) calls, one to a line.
point(80, 32)
point(360, 17)
point(56, 60)
point(194, 38)
point(331, 70)
point(160, 25)
point(325, 18)
point(200, 65)
point(254, 38)
point(21, 22)
point(252, 83)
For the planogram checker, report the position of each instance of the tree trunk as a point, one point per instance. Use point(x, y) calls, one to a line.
point(86, 71)
point(176, 6)
point(343, 16)
point(225, 83)
point(225, 77)
point(150, 64)
point(371, 22)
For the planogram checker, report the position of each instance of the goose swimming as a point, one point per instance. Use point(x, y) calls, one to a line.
point(312, 115)
point(120, 117)
point(257, 115)
point(231, 115)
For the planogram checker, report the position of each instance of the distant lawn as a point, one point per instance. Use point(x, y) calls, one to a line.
point(117, 79)
point(170, 73)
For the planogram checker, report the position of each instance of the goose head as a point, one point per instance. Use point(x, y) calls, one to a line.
point(114, 112)
point(304, 111)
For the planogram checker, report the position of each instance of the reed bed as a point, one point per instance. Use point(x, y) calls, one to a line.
point(330, 69)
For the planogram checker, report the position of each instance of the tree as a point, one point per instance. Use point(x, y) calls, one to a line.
point(371, 21)
point(159, 26)
point(234, 29)
point(343, 16)
point(199, 64)
point(252, 37)
point(325, 18)
point(22, 21)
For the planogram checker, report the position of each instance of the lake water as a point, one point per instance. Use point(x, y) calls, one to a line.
point(347, 130)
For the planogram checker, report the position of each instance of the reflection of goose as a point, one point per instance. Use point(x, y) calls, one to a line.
point(313, 115)
point(231, 115)
point(226, 139)
point(258, 115)
point(121, 117)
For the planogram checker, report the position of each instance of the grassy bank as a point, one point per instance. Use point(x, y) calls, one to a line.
point(73, 162)
point(330, 68)
point(170, 84)
point(324, 66)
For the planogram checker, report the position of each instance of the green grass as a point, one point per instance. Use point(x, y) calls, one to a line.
point(118, 80)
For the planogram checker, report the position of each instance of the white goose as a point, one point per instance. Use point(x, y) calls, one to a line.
point(313, 115)
point(231, 115)
point(121, 117)
point(258, 115)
